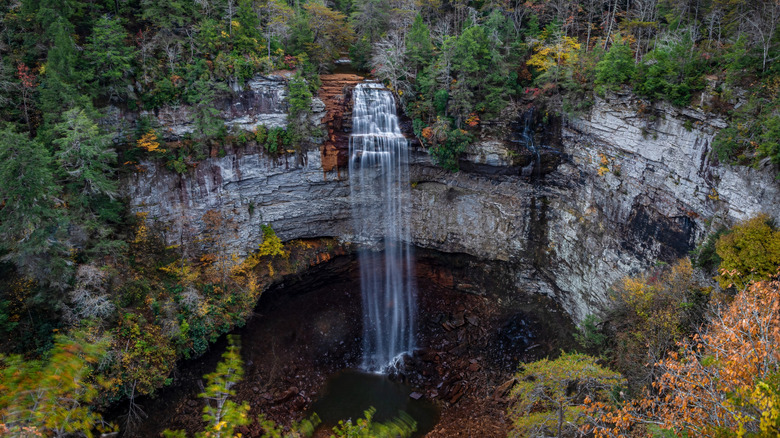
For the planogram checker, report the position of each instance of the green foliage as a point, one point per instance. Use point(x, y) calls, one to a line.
point(273, 140)
point(419, 47)
point(110, 57)
point(299, 127)
point(589, 335)
point(749, 252)
point(400, 427)
point(30, 221)
point(704, 256)
point(84, 157)
point(447, 153)
point(669, 72)
point(549, 396)
point(304, 428)
point(616, 68)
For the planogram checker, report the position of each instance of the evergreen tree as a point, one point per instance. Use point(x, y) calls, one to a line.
point(419, 49)
point(84, 157)
point(30, 232)
point(110, 56)
point(246, 35)
point(58, 90)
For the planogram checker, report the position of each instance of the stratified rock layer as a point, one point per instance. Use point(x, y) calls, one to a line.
point(621, 191)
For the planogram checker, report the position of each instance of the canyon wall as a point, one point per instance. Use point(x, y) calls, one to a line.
point(623, 187)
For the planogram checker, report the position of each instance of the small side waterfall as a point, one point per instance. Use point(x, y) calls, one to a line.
point(379, 181)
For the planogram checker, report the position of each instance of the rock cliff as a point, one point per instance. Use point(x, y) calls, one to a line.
point(628, 184)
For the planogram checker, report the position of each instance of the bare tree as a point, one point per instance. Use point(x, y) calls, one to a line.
point(763, 19)
point(389, 61)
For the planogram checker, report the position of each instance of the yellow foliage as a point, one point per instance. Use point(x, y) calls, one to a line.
point(182, 270)
point(141, 230)
point(149, 142)
point(561, 51)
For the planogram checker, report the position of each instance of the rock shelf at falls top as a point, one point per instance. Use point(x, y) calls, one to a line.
point(379, 192)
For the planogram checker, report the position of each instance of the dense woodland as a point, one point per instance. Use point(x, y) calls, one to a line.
point(92, 295)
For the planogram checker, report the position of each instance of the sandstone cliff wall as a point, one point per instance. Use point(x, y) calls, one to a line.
point(623, 189)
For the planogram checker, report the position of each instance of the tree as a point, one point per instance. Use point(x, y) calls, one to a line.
point(419, 48)
point(30, 217)
point(616, 68)
point(388, 62)
point(58, 91)
point(549, 396)
point(52, 396)
point(750, 252)
point(331, 34)
point(299, 127)
point(648, 315)
point(275, 17)
point(271, 245)
point(220, 414)
point(400, 427)
point(110, 57)
point(721, 382)
point(84, 156)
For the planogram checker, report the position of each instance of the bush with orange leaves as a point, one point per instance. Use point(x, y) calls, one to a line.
point(721, 382)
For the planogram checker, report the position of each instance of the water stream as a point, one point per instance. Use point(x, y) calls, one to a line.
point(379, 181)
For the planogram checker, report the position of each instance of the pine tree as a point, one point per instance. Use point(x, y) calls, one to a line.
point(419, 49)
point(110, 57)
point(30, 221)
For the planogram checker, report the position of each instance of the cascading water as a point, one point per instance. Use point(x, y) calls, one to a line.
point(379, 181)
point(526, 138)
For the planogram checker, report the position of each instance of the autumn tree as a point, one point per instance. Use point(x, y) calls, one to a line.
point(331, 33)
point(52, 396)
point(550, 395)
point(648, 315)
point(721, 382)
point(271, 245)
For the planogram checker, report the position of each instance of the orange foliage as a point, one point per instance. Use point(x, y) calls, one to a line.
point(708, 387)
point(149, 142)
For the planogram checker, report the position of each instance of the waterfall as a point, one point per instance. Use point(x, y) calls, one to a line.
point(379, 182)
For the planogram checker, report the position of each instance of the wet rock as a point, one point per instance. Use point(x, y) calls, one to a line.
point(287, 395)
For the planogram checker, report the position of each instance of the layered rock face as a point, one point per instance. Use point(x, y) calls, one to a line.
point(261, 102)
point(621, 190)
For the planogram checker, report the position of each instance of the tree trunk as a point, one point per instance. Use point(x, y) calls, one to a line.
point(560, 420)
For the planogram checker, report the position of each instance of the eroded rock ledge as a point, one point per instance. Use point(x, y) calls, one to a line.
point(622, 190)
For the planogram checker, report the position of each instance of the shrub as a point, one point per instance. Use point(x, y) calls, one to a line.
point(750, 252)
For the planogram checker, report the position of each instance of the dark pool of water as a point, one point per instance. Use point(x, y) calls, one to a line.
point(349, 393)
